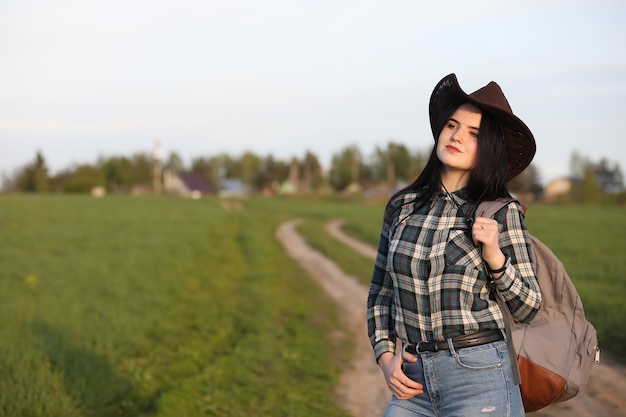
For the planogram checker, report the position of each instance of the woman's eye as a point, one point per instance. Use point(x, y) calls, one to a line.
point(474, 134)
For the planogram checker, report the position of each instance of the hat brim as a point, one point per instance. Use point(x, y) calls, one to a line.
point(520, 142)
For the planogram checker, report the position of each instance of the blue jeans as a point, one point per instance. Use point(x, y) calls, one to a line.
point(469, 382)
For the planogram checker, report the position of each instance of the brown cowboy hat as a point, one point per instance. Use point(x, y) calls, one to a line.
point(520, 143)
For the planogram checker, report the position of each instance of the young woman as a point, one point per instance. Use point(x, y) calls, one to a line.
point(436, 331)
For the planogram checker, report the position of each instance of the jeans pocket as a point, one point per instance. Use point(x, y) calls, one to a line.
point(479, 358)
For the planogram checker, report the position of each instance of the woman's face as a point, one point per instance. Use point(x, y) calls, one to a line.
point(457, 144)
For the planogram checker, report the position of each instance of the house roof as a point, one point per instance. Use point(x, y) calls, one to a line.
point(195, 182)
point(232, 186)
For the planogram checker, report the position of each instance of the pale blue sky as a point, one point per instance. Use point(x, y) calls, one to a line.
point(81, 79)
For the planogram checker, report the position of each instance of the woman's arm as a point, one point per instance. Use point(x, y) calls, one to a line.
point(379, 318)
point(506, 247)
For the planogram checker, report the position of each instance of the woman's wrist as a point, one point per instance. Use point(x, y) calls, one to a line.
point(505, 264)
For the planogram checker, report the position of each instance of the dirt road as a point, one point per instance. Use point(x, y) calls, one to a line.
point(362, 390)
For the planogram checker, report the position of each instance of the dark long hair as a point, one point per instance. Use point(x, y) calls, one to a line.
point(488, 177)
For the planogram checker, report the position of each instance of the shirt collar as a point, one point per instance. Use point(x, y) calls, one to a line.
point(461, 195)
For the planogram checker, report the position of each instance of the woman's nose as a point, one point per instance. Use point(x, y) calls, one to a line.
point(457, 136)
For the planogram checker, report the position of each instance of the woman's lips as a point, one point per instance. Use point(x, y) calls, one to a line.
point(453, 149)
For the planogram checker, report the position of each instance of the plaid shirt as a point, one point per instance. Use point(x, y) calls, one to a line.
point(429, 281)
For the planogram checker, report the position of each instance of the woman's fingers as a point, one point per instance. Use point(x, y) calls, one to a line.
point(406, 390)
point(485, 231)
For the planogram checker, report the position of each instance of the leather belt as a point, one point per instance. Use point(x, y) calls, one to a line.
point(475, 339)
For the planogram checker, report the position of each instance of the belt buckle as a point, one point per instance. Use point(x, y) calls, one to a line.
point(419, 349)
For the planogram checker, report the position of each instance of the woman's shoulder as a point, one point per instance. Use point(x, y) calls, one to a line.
point(403, 197)
point(512, 210)
point(399, 201)
point(516, 206)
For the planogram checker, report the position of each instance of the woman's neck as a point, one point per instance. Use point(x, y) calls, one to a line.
point(454, 181)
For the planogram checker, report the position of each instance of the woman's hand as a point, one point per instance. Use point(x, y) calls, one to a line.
point(485, 232)
point(400, 385)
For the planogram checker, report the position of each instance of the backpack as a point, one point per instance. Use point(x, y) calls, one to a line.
point(556, 350)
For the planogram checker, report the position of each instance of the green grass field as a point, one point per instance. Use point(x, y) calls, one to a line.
point(170, 307)
point(157, 307)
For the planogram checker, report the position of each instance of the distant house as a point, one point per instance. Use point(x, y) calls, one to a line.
point(560, 187)
point(186, 184)
point(98, 191)
point(232, 187)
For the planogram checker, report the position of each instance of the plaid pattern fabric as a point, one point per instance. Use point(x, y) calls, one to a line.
point(429, 281)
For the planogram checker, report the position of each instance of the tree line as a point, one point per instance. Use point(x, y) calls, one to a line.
point(390, 165)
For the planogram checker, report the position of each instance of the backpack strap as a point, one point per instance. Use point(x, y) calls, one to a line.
point(489, 209)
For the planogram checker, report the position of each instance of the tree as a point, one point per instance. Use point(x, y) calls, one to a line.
point(391, 164)
point(82, 180)
point(250, 165)
point(272, 173)
point(418, 162)
point(174, 163)
point(228, 167)
point(345, 167)
point(141, 166)
point(597, 182)
point(399, 156)
point(34, 177)
point(123, 173)
point(312, 174)
point(117, 172)
point(608, 175)
point(213, 168)
point(592, 189)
